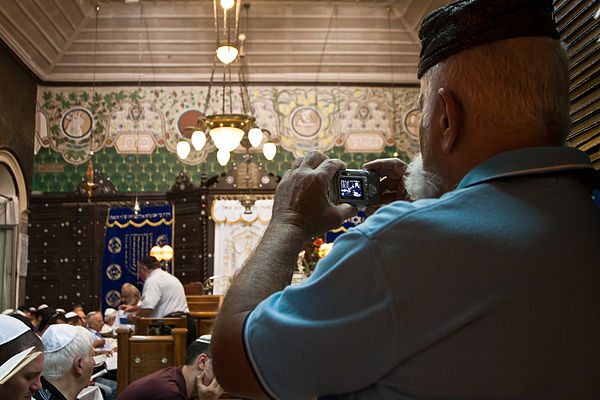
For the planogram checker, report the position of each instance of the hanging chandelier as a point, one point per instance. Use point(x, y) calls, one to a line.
point(227, 129)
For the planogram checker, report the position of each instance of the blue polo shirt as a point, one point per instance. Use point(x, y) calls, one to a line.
point(491, 291)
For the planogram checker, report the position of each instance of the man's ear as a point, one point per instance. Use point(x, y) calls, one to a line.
point(78, 366)
point(201, 361)
point(450, 121)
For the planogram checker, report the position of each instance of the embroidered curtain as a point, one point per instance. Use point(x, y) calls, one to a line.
point(236, 235)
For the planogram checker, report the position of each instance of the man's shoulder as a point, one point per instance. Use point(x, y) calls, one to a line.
point(402, 211)
point(157, 276)
point(162, 384)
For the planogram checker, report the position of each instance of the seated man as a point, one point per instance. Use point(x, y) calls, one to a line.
point(130, 296)
point(69, 362)
point(110, 315)
point(193, 380)
point(21, 359)
point(95, 324)
point(73, 318)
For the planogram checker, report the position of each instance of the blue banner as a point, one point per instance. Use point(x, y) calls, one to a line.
point(347, 224)
point(129, 237)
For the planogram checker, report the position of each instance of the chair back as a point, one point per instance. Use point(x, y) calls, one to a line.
point(204, 303)
point(204, 310)
point(158, 326)
point(194, 288)
point(140, 355)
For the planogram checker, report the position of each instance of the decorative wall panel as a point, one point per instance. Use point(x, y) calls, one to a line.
point(133, 132)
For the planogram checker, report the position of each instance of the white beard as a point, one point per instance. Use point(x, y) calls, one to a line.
point(421, 184)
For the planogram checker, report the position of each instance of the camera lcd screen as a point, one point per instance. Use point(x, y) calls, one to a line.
point(351, 188)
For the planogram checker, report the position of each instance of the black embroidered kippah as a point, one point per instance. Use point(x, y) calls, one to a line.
point(468, 23)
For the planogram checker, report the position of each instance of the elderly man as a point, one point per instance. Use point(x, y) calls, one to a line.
point(110, 315)
point(195, 380)
point(162, 296)
point(69, 362)
point(486, 289)
point(95, 324)
point(130, 295)
point(21, 359)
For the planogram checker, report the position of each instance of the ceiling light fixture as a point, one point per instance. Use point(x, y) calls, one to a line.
point(230, 128)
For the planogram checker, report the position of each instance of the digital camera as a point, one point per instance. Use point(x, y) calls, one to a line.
point(358, 187)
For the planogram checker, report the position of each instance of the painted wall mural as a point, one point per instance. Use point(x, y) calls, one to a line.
point(131, 133)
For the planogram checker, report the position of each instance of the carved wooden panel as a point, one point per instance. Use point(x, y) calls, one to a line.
point(65, 254)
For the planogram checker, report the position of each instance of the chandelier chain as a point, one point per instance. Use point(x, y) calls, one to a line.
point(212, 75)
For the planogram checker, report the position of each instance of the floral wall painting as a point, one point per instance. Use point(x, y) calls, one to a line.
point(361, 122)
point(128, 121)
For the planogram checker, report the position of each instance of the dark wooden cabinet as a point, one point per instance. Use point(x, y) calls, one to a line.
point(67, 232)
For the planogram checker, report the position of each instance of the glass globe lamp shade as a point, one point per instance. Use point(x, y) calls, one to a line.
point(269, 150)
point(198, 140)
point(167, 252)
point(227, 4)
point(223, 157)
point(226, 53)
point(157, 252)
point(183, 149)
point(255, 136)
point(226, 138)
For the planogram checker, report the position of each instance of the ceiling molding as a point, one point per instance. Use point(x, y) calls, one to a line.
point(174, 40)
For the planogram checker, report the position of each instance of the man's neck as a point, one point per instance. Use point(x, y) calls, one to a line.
point(67, 387)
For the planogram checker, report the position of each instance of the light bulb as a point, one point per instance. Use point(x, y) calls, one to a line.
point(157, 253)
point(227, 4)
point(255, 136)
point(226, 53)
point(269, 150)
point(167, 252)
point(226, 137)
point(223, 157)
point(198, 140)
point(183, 149)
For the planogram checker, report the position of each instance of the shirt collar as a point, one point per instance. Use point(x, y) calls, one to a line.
point(55, 394)
point(527, 161)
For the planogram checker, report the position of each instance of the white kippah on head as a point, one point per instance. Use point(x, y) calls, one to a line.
point(42, 306)
point(58, 336)
point(32, 309)
point(204, 339)
point(60, 310)
point(109, 311)
point(70, 314)
point(11, 328)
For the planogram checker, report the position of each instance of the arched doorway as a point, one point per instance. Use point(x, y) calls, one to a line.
point(13, 204)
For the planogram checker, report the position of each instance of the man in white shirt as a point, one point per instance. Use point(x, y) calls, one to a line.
point(162, 296)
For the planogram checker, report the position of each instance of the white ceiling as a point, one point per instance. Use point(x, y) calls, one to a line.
point(350, 41)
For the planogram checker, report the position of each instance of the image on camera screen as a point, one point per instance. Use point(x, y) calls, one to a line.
point(351, 189)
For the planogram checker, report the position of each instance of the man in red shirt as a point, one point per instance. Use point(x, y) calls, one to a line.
point(195, 380)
